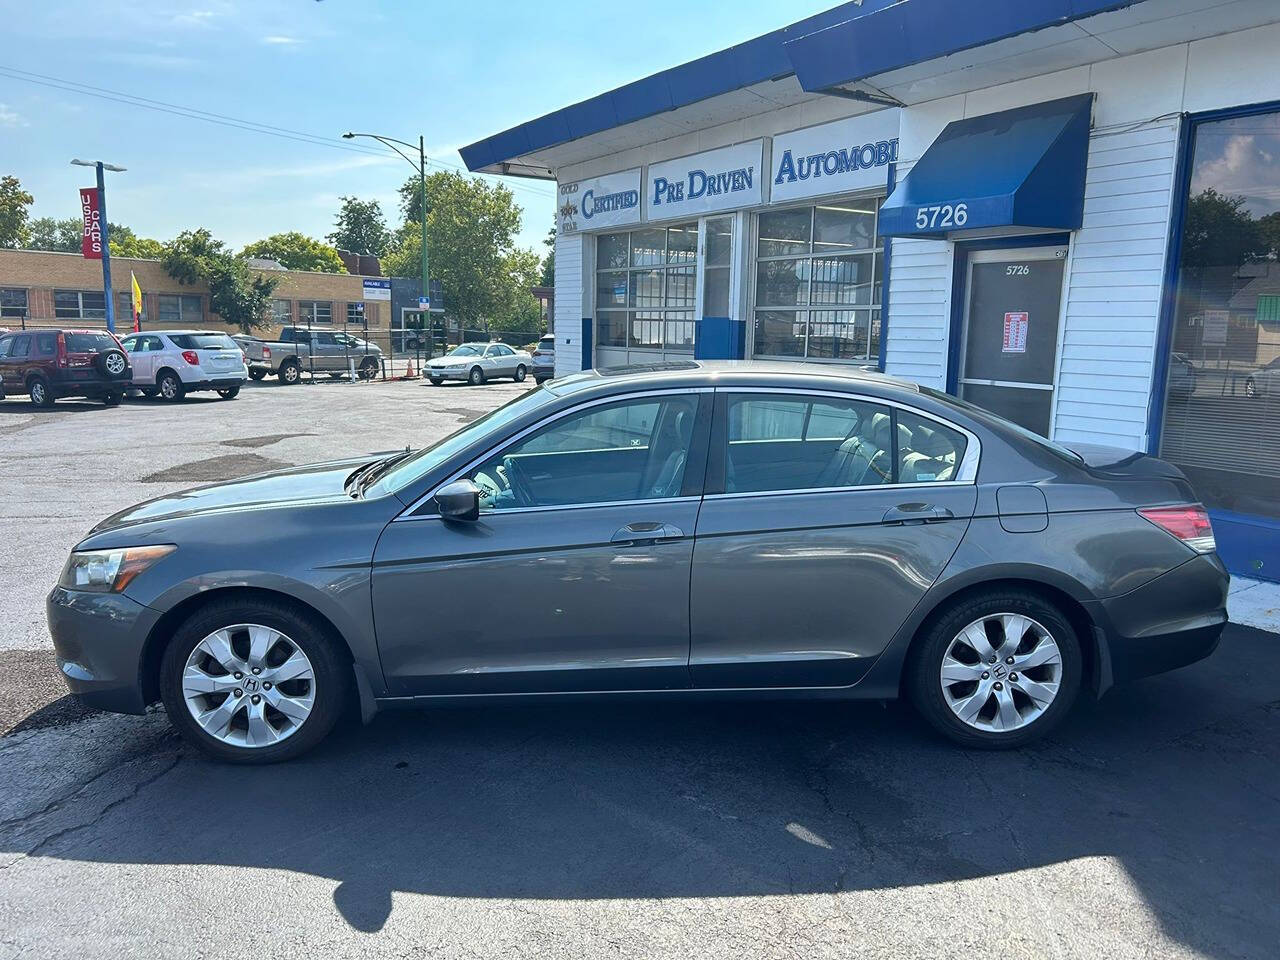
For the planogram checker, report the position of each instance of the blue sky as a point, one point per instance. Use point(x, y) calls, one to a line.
point(454, 72)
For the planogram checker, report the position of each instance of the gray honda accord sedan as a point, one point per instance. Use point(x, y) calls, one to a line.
point(737, 530)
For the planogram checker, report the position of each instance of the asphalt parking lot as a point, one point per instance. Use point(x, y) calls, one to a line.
point(1147, 827)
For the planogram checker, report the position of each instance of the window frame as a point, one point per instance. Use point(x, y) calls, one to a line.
point(80, 308)
point(423, 508)
point(874, 309)
point(663, 314)
point(183, 319)
point(714, 488)
point(6, 310)
point(314, 318)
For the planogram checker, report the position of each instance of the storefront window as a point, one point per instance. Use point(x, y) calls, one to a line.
point(646, 288)
point(1222, 401)
point(819, 276)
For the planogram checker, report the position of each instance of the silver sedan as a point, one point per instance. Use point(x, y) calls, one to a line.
point(478, 362)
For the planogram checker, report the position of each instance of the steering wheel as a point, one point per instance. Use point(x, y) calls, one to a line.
point(518, 481)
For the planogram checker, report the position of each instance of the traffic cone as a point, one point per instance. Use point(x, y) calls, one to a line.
point(410, 374)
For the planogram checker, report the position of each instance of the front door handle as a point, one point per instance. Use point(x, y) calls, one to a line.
point(917, 513)
point(645, 532)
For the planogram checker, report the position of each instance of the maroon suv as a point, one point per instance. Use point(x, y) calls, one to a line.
point(48, 364)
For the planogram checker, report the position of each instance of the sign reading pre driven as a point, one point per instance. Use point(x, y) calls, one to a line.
point(723, 179)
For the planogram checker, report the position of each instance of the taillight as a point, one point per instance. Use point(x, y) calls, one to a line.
point(266, 353)
point(191, 358)
point(1189, 523)
point(62, 349)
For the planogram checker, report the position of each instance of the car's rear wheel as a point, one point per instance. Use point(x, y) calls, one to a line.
point(476, 377)
point(521, 373)
point(39, 392)
point(257, 374)
point(253, 682)
point(170, 387)
point(113, 398)
point(368, 368)
point(290, 372)
point(996, 670)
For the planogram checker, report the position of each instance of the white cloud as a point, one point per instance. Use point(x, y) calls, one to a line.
point(281, 41)
point(1246, 167)
point(10, 117)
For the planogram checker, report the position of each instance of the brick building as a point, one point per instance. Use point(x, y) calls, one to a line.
point(43, 289)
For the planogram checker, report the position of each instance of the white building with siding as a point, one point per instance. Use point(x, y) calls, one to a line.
point(1108, 281)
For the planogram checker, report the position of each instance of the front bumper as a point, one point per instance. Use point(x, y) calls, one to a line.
point(99, 638)
point(435, 373)
point(1170, 622)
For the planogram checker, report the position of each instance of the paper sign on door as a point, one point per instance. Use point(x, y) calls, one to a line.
point(1015, 332)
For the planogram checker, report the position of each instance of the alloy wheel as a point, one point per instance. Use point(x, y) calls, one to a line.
point(115, 364)
point(1001, 672)
point(249, 685)
point(169, 388)
point(38, 394)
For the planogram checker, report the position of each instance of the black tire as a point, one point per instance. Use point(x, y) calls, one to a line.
point(229, 394)
point(290, 372)
point(112, 399)
point(475, 377)
point(924, 684)
point(149, 392)
point(521, 373)
point(112, 363)
point(170, 387)
point(328, 659)
point(257, 374)
point(39, 392)
point(368, 368)
point(435, 381)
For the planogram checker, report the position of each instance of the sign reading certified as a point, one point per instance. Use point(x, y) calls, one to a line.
point(723, 179)
point(609, 201)
point(847, 155)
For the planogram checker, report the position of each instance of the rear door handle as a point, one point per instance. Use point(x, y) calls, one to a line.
point(645, 532)
point(917, 513)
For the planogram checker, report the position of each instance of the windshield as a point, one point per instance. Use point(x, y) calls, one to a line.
point(203, 341)
point(467, 350)
point(418, 464)
point(89, 342)
point(981, 413)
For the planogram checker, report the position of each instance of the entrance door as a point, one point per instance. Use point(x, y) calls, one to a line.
point(1009, 350)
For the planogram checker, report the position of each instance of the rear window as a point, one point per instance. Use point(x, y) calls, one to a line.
point(89, 342)
point(547, 343)
point(203, 341)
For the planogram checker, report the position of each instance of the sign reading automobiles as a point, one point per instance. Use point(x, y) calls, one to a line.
point(609, 201)
point(723, 179)
point(839, 157)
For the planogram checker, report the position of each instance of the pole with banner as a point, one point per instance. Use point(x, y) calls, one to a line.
point(95, 244)
point(137, 302)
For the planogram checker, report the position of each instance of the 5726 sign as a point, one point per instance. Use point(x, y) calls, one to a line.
point(942, 217)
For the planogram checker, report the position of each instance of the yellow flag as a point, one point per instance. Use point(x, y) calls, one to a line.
point(137, 302)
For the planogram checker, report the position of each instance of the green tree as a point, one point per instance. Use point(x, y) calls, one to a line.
point(125, 243)
point(236, 294)
point(519, 310)
point(471, 229)
point(297, 251)
point(1220, 232)
point(62, 236)
point(14, 205)
point(1269, 232)
point(360, 227)
point(549, 264)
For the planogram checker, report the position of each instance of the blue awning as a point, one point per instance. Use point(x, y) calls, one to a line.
point(1018, 168)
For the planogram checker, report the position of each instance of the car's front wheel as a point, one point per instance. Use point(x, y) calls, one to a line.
point(476, 377)
point(170, 387)
point(230, 393)
point(996, 670)
point(39, 392)
point(368, 368)
point(253, 682)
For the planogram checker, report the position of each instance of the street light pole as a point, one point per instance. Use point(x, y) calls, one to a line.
point(108, 301)
point(422, 184)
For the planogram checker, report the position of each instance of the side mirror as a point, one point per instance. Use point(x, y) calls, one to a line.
point(459, 501)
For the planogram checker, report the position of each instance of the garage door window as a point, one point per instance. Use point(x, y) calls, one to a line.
point(646, 288)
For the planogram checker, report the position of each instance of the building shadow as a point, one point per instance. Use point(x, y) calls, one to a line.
point(1169, 777)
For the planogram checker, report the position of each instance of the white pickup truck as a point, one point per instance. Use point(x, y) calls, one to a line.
point(299, 351)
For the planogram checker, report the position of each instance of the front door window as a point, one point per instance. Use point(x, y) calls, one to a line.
point(1010, 342)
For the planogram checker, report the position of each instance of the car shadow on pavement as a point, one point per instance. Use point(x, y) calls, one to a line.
point(1174, 777)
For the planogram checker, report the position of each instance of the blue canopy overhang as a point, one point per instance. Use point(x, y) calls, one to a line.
point(1021, 168)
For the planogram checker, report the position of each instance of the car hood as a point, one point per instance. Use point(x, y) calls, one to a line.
point(313, 483)
point(450, 361)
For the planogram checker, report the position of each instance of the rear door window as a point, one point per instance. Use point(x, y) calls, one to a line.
point(928, 452)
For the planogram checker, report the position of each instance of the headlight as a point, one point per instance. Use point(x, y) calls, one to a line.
point(109, 571)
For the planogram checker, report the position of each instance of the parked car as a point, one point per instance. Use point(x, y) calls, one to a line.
point(173, 363)
point(774, 531)
point(49, 364)
point(300, 350)
point(1265, 382)
point(544, 359)
point(1182, 376)
point(478, 362)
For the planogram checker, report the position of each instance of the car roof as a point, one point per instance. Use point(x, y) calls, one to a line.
point(683, 373)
